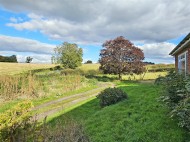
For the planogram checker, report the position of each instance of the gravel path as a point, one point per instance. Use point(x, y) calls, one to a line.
point(69, 102)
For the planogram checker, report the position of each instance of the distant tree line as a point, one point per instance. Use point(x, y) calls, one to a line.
point(88, 62)
point(149, 63)
point(8, 59)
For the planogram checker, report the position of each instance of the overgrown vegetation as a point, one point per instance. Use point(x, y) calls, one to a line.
point(177, 96)
point(12, 87)
point(15, 122)
point(111, 96)
point(41, 84)
point(18, 125)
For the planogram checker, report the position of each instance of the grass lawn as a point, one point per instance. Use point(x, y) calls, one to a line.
point(141, 118)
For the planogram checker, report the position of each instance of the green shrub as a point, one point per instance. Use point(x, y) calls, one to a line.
point(177, 96)
point(14, 121)
point(111, 96)
point(17, 125)
point(160, 81)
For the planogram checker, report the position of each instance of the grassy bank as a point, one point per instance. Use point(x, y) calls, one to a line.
point(141, 118)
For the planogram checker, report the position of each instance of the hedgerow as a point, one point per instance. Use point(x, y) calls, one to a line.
point(177, 96)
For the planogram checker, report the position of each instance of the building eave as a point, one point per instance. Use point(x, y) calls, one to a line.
point(182, 45)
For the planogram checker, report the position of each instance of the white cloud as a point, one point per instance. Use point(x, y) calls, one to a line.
point(21, 56)
point(96, 21)
point(158, 52)
point(93, 22)
point(13, 19)
point(17, 44)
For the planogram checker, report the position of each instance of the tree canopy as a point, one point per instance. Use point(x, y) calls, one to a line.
point(12, 58)
point(69, 55)
point(88, 62)
point(28, 59)
point(120, 56)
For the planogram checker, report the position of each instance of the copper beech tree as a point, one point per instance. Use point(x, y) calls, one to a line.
point(120, 56)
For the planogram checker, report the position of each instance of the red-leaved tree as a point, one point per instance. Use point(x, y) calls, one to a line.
point(120, 56)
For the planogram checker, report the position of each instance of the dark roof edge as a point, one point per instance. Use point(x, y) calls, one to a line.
point(178, 47)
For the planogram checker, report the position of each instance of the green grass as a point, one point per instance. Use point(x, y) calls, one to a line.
point(141, 118)
point(6, 106)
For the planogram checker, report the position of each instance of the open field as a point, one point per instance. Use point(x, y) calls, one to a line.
point(144, 76)
point(86, 67)
point(153, 68)
point(15, 68)
point(160, 67)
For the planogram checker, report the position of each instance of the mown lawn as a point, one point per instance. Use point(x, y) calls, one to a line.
point(141, 118)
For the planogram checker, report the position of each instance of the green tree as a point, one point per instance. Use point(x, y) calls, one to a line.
point(119, 56)
point(12, 58)
point(69, 55)
point(28, 59)
point(88, 62)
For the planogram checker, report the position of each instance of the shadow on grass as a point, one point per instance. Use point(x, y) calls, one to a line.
point(80, 113)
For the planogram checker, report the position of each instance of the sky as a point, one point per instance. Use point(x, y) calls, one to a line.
point(34, 28)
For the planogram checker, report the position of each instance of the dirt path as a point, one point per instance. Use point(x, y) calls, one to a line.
point(67, 101)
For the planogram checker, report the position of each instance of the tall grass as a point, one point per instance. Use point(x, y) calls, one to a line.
point(40, 85)
point(14, 86)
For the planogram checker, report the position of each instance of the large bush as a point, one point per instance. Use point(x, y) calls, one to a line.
point(111, 96)
point(177, 96)
point(15, 122)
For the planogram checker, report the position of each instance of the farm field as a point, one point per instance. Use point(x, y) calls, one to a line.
point(15, 68)
point(86, 67)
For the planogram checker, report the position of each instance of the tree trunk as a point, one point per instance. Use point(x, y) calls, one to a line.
point(120, 77)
